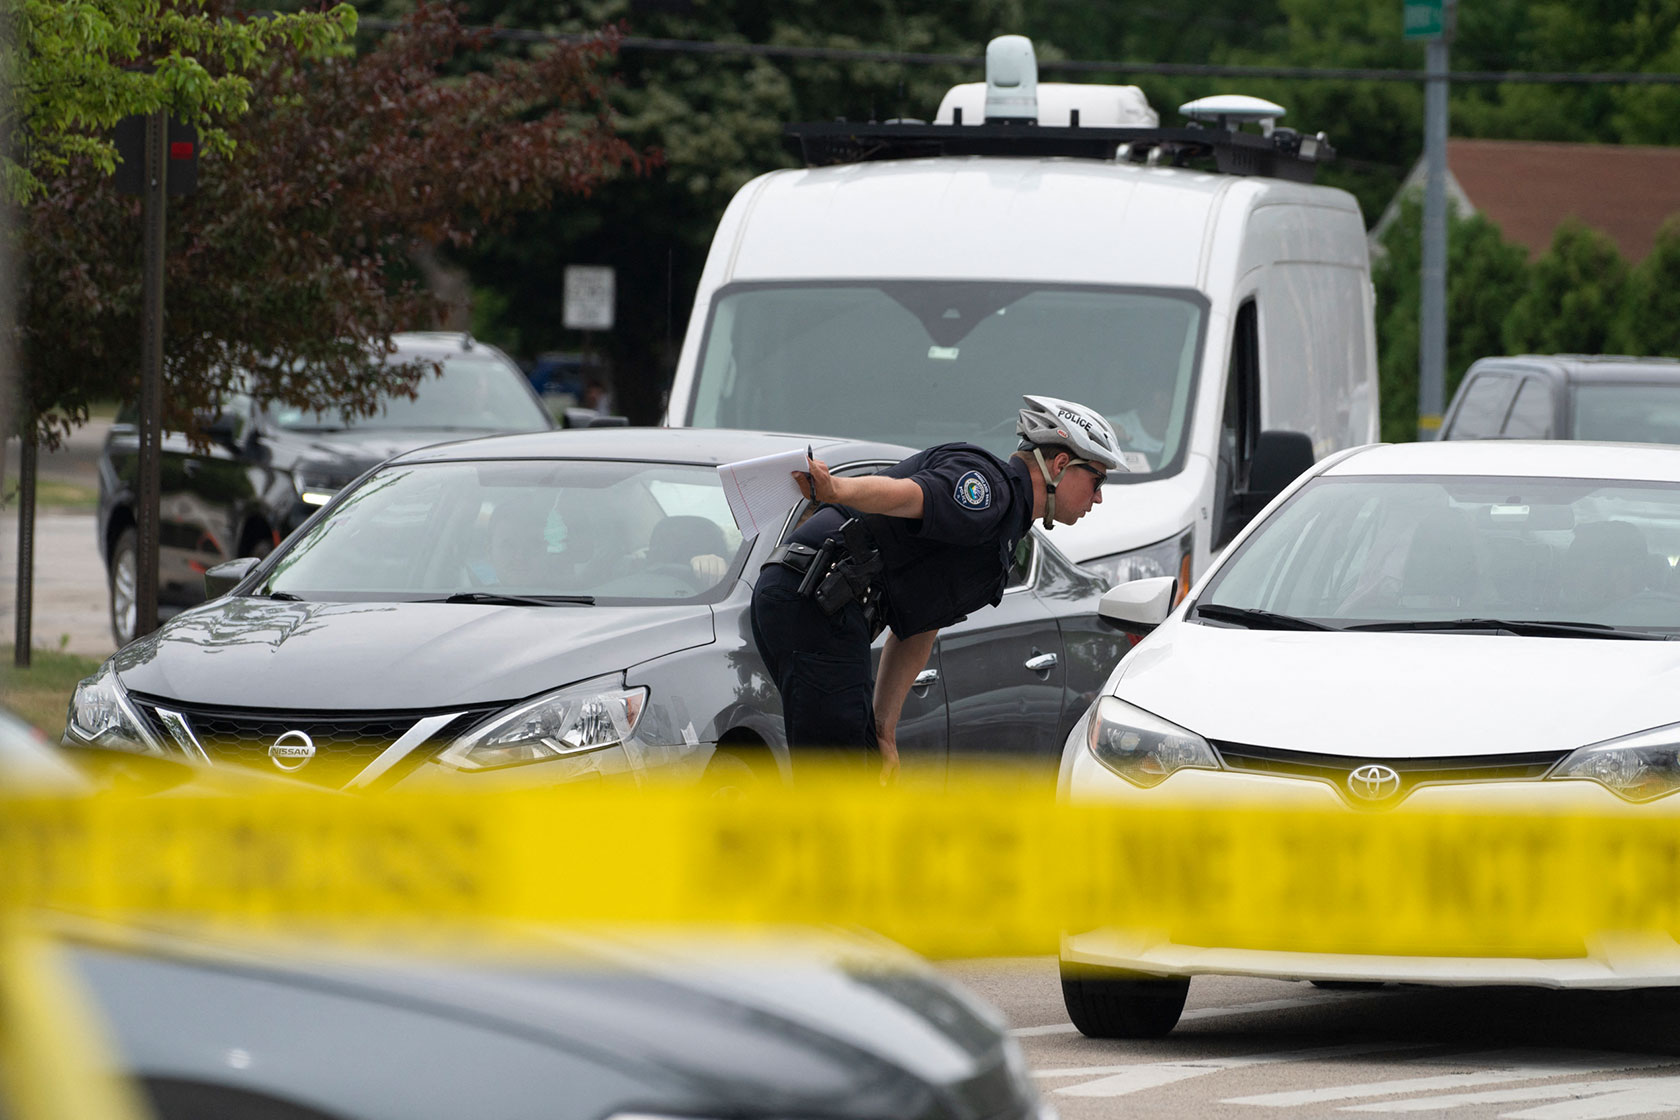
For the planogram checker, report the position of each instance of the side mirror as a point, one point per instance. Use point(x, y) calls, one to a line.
point(220, 427)
point(1280, 457)
point(224, 577)
point(1138, 606)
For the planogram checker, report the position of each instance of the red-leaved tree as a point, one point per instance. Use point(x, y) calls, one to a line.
point(296, 257)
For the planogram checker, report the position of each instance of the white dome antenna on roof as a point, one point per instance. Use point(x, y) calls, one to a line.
point(1229, 110)
point(1011, 81)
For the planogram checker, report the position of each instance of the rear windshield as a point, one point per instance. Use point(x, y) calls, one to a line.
point(926, 362)
point(1627, 413)
point(467, 393)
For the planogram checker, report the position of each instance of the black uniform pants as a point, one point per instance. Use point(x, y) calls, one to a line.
point(821, 666)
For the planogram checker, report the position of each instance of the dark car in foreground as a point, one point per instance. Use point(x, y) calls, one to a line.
point(592, 1028)
point(558, 606)
point(1604, 397)
point(265, 469)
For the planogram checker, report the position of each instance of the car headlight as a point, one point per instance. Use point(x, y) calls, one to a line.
point(316, 485)
point(573, 720)
point(1170, 557)
point(1638, 767)
point(1143, 748)
point(101, 715)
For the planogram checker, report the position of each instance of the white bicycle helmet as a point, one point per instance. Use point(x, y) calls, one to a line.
point(1084, 432)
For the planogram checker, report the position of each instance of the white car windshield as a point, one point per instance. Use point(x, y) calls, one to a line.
point(926, 362)
point(467, 393)
point(1392, 551)
point(590, 531)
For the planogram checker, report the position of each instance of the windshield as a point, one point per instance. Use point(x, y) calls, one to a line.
point(470, 392)
point(1349, 551)
point(625, 532)
point(1627, 413)
point(927, 362)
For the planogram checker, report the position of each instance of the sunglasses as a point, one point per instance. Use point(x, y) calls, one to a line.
point(1102, 476)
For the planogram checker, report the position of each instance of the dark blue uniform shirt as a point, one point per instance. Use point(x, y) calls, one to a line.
point(956, 557)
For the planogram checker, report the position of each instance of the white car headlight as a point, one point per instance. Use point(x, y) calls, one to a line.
point(101, 715)
point(1164, 558)
point(579, 718)
point(1143, 748)
point(1638, 767)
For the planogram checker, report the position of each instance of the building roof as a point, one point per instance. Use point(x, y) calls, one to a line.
point(1528, 188)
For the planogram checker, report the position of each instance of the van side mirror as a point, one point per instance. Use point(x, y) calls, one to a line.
point(1139, 605)
point(224, 577)
point(1280, 457)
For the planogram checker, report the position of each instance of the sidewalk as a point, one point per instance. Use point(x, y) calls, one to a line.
point(70, 608)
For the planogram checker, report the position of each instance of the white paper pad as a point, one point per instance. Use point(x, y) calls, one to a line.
point(761, 490)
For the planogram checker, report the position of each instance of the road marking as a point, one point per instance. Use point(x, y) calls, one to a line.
point(1630, 1096)
point(1561, 1065)
point(1119, 1080)
point(1218, 1012)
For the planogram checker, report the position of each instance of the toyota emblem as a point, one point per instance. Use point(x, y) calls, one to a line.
point(292, 751)
point(1374, 782)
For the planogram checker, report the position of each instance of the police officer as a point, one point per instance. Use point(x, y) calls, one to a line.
point(914, 548)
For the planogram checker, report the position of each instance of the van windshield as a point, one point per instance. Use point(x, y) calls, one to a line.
point(924, 362)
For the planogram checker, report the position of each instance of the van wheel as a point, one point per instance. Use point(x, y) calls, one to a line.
point(1111, 1003)
point(124, 582)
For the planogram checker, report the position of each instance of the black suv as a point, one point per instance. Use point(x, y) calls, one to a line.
point(1603, 397)
point(268, 468)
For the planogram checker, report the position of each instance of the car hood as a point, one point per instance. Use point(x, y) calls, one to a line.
point(355, 450)
point(1401, 695)
point(260, 653)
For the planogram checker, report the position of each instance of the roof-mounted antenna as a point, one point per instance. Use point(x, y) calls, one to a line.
point(1011, 81)
point(1229, 110)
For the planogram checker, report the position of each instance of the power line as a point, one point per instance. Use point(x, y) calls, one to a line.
point(1074, 66)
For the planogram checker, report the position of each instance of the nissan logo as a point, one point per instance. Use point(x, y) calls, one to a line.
point(1374, 783)
point(292, 751)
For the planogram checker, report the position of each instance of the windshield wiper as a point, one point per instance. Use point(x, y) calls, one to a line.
point(1523, 627)
point(495, 599)
point(283, 596)
point(1257, 619)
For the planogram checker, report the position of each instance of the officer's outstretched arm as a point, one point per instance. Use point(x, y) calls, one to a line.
point(870, 493)
point(900, 662)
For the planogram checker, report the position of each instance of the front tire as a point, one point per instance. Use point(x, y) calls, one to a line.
point(124, 583)
point(1111, 1003)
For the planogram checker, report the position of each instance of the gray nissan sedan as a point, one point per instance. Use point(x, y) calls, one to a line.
point(551, 607)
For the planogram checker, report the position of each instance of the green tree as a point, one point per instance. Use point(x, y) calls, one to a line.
point(82, 65)
point(1649, 322)
point(1574, 292)
point(294, 259)
point(1485, 274)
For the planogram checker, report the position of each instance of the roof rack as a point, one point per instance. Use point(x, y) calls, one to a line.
point(1284, 154)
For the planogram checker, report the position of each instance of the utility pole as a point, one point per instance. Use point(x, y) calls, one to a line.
point(152, 208)
point(1431, 20)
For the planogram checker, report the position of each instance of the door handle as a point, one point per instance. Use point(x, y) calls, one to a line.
point(925, 678)
point(1042, 663)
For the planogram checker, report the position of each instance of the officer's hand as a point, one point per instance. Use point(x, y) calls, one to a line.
point(889, 759)
point(816, 484)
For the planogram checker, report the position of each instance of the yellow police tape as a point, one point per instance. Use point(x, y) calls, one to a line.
point(987, 868)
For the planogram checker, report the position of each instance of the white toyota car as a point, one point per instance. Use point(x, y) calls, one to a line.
point(1438, 625)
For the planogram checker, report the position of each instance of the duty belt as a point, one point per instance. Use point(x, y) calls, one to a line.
point(840, 571)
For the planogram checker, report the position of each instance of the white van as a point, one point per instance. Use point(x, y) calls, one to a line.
point(915, 281)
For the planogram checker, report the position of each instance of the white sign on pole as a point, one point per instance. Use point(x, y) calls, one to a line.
point(588, 298)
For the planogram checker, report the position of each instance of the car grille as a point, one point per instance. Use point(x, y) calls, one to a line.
point(345, 743)
point(1412, 773)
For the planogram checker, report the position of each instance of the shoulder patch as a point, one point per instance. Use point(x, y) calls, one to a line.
point(973, 491)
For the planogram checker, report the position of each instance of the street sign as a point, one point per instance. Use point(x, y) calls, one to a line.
point(588, 298)
point(1424, 19)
